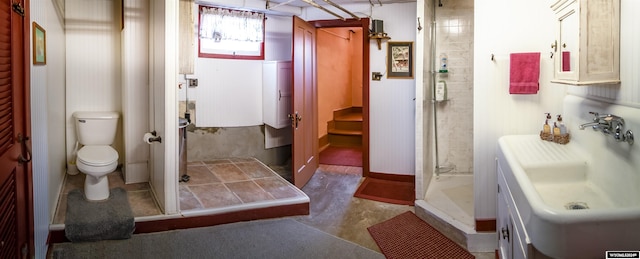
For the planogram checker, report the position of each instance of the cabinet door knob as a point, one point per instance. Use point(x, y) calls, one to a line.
point(554, 46)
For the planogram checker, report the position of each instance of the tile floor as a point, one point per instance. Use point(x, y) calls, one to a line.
point(212, 184)
point(229, 182)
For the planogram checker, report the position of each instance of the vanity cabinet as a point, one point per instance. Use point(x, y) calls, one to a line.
point(276, 93)
point(587, 46)
point(512, 239)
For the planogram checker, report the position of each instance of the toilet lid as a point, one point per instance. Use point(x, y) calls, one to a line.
point(97, 155)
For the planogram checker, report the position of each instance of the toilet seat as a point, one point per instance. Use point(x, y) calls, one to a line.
point(97, 155)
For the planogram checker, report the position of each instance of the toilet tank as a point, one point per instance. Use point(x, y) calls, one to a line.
point(96, 128)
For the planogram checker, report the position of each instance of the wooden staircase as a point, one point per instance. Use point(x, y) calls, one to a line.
point(345, 130)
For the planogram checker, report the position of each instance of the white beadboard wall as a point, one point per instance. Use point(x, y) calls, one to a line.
point(135, 90)
point(39, 144)
point(55, 102)
point(391, 101)
point(503, 27)
point(47, 122)
point(93, 62)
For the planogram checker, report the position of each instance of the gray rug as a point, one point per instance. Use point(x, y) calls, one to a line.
point(98, 220)
point(276, 238)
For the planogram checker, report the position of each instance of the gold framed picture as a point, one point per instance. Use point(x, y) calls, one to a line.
point(39, 45)
point(400, 59)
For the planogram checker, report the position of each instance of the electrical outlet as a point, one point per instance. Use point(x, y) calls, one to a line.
point(376, 76)
point(192, 82)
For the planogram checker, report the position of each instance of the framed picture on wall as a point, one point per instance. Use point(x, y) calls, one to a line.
point(39, 45)
point(400, 59)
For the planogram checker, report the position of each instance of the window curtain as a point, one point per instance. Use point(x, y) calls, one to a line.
point(223, 24)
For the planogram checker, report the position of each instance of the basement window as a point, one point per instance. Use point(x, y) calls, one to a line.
point(231, 34)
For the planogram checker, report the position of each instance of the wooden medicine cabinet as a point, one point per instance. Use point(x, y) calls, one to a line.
point(587, 46)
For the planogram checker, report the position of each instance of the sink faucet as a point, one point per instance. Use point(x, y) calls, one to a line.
point(610, 124)
point(597, 123)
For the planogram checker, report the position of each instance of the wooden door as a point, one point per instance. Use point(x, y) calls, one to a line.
point(304, 116)
point(16, 217)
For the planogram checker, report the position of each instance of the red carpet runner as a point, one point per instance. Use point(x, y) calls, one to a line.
point(407, 236)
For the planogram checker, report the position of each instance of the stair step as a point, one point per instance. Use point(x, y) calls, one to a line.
point(345, 125)
point(345, 111)
point(345, 140)
point(345, 132)
point(355, 117)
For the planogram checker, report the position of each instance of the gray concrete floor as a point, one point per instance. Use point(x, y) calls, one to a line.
point(334, 210)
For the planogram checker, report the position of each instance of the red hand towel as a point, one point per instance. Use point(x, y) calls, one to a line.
point(566, 61)
point(524, 74)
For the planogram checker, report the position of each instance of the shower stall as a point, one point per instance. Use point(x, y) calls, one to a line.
point(444, 121)
point(452, 39)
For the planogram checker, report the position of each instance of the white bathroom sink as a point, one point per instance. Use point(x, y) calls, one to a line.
point(569, 206)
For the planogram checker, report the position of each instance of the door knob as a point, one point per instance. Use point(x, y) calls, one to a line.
point(295, 119)
point(23, 143)
point(505, 233)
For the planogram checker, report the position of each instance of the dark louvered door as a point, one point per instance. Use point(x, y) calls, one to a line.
point(15, 216)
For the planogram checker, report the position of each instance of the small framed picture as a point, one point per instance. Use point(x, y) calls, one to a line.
point(400, 59)
point(39, 45)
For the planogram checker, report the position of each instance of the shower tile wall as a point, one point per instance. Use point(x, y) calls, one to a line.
point(454, 37)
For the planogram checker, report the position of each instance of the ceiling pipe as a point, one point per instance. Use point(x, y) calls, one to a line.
point(341, 8)
point(314, 4)
point(371, 3)
point(280, 4)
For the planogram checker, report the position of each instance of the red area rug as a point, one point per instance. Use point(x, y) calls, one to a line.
point(407, 236)
point(347, 156)
point(388, 191)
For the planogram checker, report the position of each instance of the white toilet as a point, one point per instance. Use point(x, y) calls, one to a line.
point(96, 131)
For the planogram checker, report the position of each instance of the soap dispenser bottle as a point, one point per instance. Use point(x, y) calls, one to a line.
point(444, 68)
point(563, 128)
point(546, 133)
point(546, 128)
point(560, 134)
point(556, 129)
